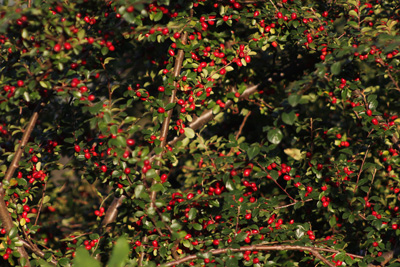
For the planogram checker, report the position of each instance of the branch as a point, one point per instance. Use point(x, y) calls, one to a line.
point(208, 114)
point(361, 169)
point(112, 211)
point(165, 129)
point(242, 125)
point(5, 215)
point(36, 250)
point(25, 137)
point(8, 224)
point(313, 250)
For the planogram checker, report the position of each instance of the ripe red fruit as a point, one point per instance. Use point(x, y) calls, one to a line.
point(130, 9)
point(160, 110)
point(35, 159)
point(103, 168)
point(155, 243)
point(369, 112)
point(218, 191)
point(57, 48)
point(20, 83)
point(91, 97)
point(246, 172)
point(375, 244)
point(247, 216)
point(67, 46)
point(177, 35)
point(274, 44)
point(190, 196)
point(130, 142)
point(293, 16)
point(325, 14)
point(77, 148)
point(375, 121)
point(216, 242)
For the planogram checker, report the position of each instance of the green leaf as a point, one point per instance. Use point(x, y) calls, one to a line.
point(336, 68)
point(275, 136)
point(192, 213)
point(189, 132)
point(294, 153)
point(83, 259)
point(294, 99)
point(13, 232)
point(157, 187)
point(158, 16)
point(253, 151)
point(107, 60)
point(139, 190)
point(289, 118)
point(119, 253)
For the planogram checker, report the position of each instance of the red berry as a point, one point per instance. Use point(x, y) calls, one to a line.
point(67, 46)
point(130, 142)
point(130, 9)
point(375, 121)
point(160, 110)
point(57, 48)
point(369, 112)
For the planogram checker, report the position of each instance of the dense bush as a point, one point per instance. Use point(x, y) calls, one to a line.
point(216, 133)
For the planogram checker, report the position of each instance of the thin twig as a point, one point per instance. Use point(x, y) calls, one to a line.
point(361, 169)
point(242, 125)
point(372, 182)
point(276, 182)
point(277, 10)
point(292, 204)
point(41, 203)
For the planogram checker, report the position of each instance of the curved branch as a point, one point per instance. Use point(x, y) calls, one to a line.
point(312, 250)
point(112, 211)
point(37, 251)
point(5, 215)
point(208, 114)
point(25, 137)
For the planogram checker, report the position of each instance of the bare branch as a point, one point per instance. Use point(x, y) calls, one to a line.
point(313, 250)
